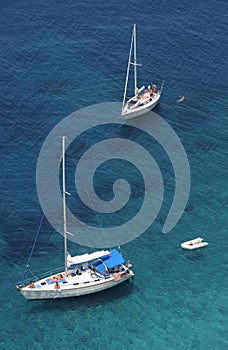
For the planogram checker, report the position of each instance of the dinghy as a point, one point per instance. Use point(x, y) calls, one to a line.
point(194, 244)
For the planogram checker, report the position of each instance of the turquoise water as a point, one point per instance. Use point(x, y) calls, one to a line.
point(59, 57)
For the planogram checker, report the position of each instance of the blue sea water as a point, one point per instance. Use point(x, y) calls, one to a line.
point(57, 57)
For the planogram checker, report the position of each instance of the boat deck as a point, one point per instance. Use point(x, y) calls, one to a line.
point(74, 278)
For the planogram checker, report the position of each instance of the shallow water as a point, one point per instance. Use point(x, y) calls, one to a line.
point(57, 58)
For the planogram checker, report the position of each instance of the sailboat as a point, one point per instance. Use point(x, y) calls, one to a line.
point(144, 99)
point(83, 274)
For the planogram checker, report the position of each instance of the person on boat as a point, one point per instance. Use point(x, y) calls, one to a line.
point(78, 272)
point(117, 276)
point(59, 277)
point(57, 286)
point(31, 284)
point(92, 268)
point(54, 279)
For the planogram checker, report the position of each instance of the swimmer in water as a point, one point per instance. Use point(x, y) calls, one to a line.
point(182, 98)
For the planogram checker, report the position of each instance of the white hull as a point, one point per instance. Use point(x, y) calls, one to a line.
point(74, 287)
point(132, 112)
point(194, 244)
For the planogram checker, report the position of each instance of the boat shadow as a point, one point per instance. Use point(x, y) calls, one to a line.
point(194, 255)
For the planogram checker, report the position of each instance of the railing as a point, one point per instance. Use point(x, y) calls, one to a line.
point(41, 276)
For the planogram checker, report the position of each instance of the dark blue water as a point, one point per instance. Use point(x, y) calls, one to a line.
point(57, 57)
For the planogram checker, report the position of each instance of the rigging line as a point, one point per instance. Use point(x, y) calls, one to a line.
point(36, 238)
point(33, 247)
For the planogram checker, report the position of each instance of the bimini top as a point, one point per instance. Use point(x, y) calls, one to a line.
point(113, 260)
point(80, 259)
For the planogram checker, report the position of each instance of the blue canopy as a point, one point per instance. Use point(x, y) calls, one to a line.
point(113, 260)
point(99, 266)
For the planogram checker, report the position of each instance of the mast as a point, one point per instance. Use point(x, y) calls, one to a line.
point(128, 70)
point(135, 61)
point(64, 203)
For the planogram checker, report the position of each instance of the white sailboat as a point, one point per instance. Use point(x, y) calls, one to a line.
point(83, 274)
point(144, 99)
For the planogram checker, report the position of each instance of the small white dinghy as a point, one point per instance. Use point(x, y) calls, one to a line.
point(194, 244)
